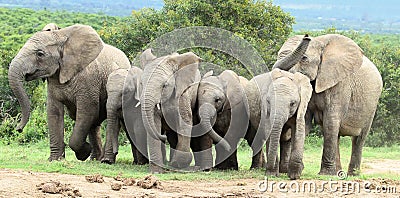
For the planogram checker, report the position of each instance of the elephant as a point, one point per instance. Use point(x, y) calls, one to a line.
point(278, 102)
point(169, 91)
point(221, 106)
point(75, 63)
point(123, 96)
point(168, 98)
point(346, 89)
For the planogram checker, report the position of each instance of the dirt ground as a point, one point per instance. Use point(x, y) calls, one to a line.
point(15, 183)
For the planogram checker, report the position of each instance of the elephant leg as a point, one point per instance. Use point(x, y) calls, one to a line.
point(137, 137)
point(55, 120)
point(258, 159)
point(138, 143)
point(202, 150)
point(356, 149)
point(285, 148)
point(172, 139)
point(337, 158)
point(95, 141)
point(275, 169)
point(331, 124)
point(85, 117)
point(155, 150)
point(226, 160)
point(111, 144)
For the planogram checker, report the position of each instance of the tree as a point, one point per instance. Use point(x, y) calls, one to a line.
point(262, 24)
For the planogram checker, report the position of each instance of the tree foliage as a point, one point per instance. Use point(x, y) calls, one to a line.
point(264, 25)
point(17, 26)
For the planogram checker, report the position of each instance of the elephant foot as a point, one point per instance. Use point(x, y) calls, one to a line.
point(140, 161)
point(327, 171)
point(96, 156)
point(295, 169)
point(57, 157)
point(272, 173)
point(108, 159)
point(83, 153)
point(229, 164)
point(224, 167)
point(155, 169)
point(181, 159)
point(353, 172)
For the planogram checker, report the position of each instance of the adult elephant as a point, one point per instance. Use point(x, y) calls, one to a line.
point(278, 100)
point(222, 106)
point(168, 97)
point(123, 105)
point(76, 63)
point(347, 87)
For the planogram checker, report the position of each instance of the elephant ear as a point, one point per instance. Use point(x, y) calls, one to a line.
point(183, 60)
point(146, 57)
point(233, 89)
point(305, 91)
point(208, 74)
point(341, 57)
point(82, 46)
point(278, 73)
point(186, 70)
point(51, 27)
point(132, 83)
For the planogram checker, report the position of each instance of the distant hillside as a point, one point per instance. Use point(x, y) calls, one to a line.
point(367, 16)
point(361, 15)
point(112, 7)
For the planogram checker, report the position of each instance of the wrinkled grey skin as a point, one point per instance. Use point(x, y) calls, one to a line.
point(346, 89)
point(278, 101)
point(169, 82)
point(219, 101)
point(123, 87)
point(76, 64)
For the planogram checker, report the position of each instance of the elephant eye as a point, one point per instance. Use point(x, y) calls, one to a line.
point(217, 99)
point(40, 53)
point(292, 104)
point(165, 85)
point(304, 58)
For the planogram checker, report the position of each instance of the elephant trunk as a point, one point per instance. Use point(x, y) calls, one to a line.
point(277, 121)
point(16, 76)
point(207, 113)
point(148, 115)
point(294, 57)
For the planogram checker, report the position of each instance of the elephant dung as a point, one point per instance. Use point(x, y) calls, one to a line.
point(148, 182)
point(94, 178)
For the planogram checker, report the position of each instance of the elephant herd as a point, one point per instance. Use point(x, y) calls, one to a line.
point(325, 80)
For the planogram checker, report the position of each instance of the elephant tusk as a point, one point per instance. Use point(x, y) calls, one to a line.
point(158, 106)
point(137, 104)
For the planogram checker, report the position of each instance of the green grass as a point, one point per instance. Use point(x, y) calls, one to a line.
point(33, 157)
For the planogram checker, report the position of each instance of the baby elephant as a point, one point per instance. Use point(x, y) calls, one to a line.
point(278, 100)
point(123, 104)
point(222, 106)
